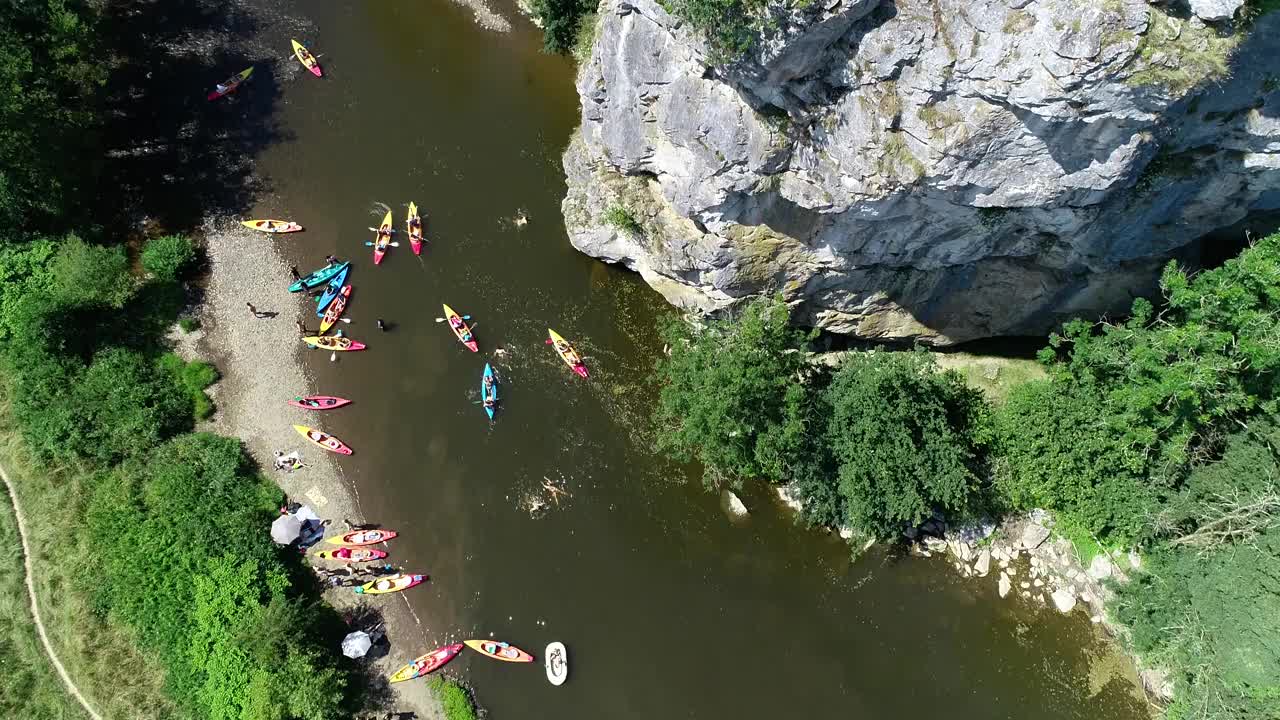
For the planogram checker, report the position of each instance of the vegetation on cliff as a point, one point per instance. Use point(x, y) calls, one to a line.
point(167, 541)
point(1158, 432)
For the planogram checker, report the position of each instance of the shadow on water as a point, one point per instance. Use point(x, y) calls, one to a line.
point(174, 155)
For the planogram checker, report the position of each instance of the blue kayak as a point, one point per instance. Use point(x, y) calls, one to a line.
point(318, 277)
point(490, 393)
point(331, 292)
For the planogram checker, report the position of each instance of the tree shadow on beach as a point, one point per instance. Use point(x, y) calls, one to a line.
point(176, 156)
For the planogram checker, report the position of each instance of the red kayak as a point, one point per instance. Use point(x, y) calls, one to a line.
point(230, 84)
point(363, 537)
point(430, 662)
point(319, 402)
point(352, 554)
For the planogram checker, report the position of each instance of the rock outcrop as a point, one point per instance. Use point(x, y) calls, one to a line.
point(931, 169)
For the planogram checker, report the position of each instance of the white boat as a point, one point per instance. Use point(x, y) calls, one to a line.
point(557, 662)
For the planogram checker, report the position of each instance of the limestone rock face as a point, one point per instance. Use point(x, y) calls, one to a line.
point(933, 169)
point(1214, 10)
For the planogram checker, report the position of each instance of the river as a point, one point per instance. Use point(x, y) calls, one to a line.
point(668, 607)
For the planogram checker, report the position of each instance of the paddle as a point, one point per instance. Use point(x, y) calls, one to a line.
point(392, 244)
point(393, 231)
point(464, 317)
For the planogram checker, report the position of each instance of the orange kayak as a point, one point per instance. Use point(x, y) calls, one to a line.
point(352, 554)
point(393, 584)
point(323, 440)
point(499, 650)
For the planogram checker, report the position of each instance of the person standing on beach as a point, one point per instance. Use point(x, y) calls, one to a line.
point(293, 270)
point(331, 259)
point(255, 311)
point(302, 328)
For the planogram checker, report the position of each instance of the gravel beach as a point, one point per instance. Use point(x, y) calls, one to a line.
point(260, 360)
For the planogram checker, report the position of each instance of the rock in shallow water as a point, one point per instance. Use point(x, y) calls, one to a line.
point(1064, 599)
point(894, 174)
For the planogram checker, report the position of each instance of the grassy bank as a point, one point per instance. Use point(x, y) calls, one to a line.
point(96, 651)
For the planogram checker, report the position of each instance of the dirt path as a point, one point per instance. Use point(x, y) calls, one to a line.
point(35, 608)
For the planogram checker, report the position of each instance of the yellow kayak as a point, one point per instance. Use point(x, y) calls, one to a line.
point(382, 239)
point(392, 584)
point(306, 58)
point(272, 226)
point(567, 353)
point(337, 344)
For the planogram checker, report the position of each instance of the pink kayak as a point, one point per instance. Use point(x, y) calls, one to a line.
point(319, 402)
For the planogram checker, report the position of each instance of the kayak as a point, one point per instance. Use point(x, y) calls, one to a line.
point(337, 344)
point(352, 555)
point(335, 309)
point(490, 393)
point(567, 353)
point(306, 58)
point(335, 286)
point(363, 537)
point(499, 650)
point(380, 241)
point(319, 277)
point(387, 585)
point(461, 330)
point(319, 402)
point(272, 226)
point(323, 440)
point(557, 661)
point(415, 236)
point(428, 663)
point(231, 84)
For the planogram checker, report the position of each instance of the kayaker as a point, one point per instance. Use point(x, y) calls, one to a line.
point(455, 321)
point(221, 89)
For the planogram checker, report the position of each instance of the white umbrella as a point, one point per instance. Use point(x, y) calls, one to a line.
point(356, 644)
point(286, 529)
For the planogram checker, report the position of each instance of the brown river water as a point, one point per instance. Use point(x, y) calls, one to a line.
point(668, 608)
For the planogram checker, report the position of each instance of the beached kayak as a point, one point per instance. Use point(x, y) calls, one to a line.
point(499, 650)
point(352, 554)
point(567, 353)
point(428, 663)
point(489, 390)
point(272, 226)
point(335, 286)
point(415, 234)
point(460, 329)
point(307, 59)
point(556, 659)
point(335, 309)
point(319, 402)
point(392, 584)
point(230, 84)
point(323, 440)
point(337, 344)
point(318, 277)
point(381, 240)
point(363, 537)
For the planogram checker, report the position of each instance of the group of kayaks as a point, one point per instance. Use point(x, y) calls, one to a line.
point(355, 546)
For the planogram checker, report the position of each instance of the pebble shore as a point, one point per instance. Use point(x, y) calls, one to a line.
point(260, 360)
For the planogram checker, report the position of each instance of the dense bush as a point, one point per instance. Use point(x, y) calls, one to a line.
point(1129, 408)
point(454, 698)
point(734, 394)
point(905, 440)
point(24, 271)
point(187, 561)
point(194, 377)
point(167, 256)
point(730, 26)
point(560, 20)
point(1211, 619)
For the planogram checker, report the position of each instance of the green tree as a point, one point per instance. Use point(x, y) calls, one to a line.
point(734, 394)
point(167, 256)
point(730, 26)
point(906, 440)
point(50, 80)
point(24, 271)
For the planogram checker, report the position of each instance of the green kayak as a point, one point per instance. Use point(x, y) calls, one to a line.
point(318, 277)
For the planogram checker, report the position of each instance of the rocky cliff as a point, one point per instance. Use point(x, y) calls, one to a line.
point(934, 169)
